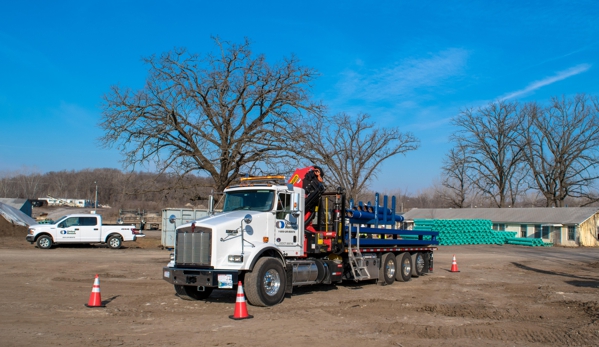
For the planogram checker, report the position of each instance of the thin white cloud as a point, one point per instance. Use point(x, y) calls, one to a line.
point(562, 75)
point(403, 78)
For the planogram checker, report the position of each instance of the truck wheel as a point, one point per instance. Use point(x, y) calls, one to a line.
point(387, 270)
point(44, 242)
point(404, 267)
point(418, 264)
point(115, 242)
point(192, 292)
point(265, 285)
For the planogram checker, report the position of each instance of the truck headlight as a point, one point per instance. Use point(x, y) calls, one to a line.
point(172, 256)
point(236, 258)
point(31, 231)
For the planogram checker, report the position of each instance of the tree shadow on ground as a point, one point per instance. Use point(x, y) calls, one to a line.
point(580, 281)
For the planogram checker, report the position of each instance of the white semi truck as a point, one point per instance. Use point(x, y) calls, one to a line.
point(81, 228)
point(273, 235)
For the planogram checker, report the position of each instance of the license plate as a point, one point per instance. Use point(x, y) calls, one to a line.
point(225, 281)
point(167, 273)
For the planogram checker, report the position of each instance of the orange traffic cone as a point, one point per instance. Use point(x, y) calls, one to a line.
point(454, 266)
point(241, 310)
point(95, 299)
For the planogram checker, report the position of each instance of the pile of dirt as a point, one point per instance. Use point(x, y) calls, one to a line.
point(10, 229)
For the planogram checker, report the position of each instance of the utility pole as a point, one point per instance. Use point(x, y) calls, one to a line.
point(96, 203)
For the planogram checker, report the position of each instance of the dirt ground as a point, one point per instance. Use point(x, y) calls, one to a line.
point(502, 296)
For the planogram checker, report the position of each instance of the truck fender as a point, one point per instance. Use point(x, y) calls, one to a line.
point(113, 234)
point(266, 252)
point(37, 236)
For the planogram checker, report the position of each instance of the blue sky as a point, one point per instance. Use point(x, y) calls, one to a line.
point(411, 64)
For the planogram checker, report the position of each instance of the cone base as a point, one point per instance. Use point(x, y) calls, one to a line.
point(87, 305)
point(240, 318)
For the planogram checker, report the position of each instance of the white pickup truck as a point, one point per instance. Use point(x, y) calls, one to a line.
point(81, 228)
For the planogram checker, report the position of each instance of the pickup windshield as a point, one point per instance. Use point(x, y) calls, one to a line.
point(255, 200)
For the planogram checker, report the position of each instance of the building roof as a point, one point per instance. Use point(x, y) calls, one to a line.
point(14, 202)
point(563, 215)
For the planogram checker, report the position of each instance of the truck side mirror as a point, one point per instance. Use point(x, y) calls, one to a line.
point(172, 219)
point(295, 205)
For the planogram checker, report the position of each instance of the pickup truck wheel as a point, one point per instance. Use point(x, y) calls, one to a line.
point(387, 269)
point(404, 267)
point(192, 292)
point(115, 242)
point(44, 242)
point(418, 264)
point(265, 285)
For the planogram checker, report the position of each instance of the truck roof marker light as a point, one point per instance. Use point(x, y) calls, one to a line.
point(265, 239)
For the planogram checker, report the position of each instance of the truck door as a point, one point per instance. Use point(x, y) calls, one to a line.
point(89, 229)
point(68, 230)
point(287, 231)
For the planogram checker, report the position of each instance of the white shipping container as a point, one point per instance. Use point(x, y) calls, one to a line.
point(182, 216)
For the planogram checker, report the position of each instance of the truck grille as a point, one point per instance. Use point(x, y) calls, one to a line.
point(193, 248)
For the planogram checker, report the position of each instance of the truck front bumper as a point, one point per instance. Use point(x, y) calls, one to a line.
point(222, 279)
point(30, 238)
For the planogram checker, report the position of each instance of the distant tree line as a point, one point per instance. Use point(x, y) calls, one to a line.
point(120, 190)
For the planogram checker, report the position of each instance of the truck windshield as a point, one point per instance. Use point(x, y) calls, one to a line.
point(60, 219)
point(255, 200)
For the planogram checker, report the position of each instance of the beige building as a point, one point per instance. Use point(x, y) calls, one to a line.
point(567, 226)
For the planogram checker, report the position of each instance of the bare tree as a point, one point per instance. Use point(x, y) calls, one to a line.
point(490, 138)
point(352, 148)
point(456, 183)
point(220, 114)
point(562, 148)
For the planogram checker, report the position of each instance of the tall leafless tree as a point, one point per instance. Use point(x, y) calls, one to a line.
point(352, 149)
point(493, 150)
point(219, 114)
point(456, 185)
point(562, 147)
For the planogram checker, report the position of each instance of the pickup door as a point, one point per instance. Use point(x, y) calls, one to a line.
point(79, 229)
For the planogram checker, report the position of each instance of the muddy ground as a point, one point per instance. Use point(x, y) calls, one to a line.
point(502, 296)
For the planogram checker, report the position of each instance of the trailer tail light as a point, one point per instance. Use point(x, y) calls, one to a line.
point(265, 239)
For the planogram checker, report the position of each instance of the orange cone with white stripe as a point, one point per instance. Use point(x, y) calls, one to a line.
point(454, 266)
point(95, 299)
point(241, 310)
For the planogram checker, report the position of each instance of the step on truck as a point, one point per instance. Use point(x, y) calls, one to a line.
point(274, 235)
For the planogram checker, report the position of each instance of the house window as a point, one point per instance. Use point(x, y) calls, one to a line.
point(537, 231)
point(499, 227)
point(571, 233)
point(545, 232)
point(523, 230)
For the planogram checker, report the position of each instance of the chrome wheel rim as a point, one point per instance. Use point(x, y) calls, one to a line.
point(272, 282)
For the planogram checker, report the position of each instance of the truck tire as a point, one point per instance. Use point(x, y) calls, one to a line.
point(192, 292)
point(418, 264)
point(404, 267)
point(388, 269)
point(44, 242)
point(115, 242)
point(265, 284)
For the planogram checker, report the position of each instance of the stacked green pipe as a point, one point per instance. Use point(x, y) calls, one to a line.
point(464, 231)
point(523, 241)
